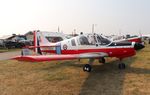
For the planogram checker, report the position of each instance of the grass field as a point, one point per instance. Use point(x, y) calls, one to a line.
point(68, 78)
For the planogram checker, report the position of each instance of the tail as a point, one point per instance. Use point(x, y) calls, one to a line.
point(36, 43)
point(39, 41)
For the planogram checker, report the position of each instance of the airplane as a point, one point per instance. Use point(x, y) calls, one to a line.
point(139, 44)
point(147, 37)
point(84, 46)
point(128, 38)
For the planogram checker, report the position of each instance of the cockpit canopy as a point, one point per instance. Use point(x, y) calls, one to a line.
point(102, 40)
point(83, 40)
point(91, 39)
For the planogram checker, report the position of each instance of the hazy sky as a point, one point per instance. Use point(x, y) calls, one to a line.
point(109, 16)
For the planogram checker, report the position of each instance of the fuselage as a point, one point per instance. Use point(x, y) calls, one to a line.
point(92, 43)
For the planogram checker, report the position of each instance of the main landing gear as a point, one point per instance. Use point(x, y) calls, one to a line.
point(102, 60)
point(88, 67)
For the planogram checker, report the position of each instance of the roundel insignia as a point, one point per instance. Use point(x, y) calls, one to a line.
point(65, 47)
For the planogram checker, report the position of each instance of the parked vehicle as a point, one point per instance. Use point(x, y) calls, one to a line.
point(1, 43)
point(11, 44)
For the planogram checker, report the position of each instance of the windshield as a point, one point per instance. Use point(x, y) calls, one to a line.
point(102, 40)
point(83, 40)
point(93, 40)
point(54, 39)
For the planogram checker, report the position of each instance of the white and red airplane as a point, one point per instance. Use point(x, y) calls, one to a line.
point(147, 37)
point(89, 46)
point(139, 44)
point(130, 39)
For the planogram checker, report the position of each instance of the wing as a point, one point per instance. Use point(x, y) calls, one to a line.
point(41, 58)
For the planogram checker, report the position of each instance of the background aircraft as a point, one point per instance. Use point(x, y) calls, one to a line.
point(146, 37)
point(139, 44)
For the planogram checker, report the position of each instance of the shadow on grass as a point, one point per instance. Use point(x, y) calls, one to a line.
point(103, 80)
point(108, 79)
point(62, 64)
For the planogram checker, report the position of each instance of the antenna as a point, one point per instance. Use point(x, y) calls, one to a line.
point(58, 29)
point(119, 32)
point(74, 32)
point(140, 33)
point(92, 28)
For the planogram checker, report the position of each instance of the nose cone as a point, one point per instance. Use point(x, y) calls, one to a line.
point(138, 46)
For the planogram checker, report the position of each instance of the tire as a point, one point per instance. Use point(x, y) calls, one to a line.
point(87, 68)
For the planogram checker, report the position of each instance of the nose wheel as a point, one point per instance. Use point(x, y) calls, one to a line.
point(87, 68)
point(121, 66)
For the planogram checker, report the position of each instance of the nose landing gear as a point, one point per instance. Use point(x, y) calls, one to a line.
point(121, 66)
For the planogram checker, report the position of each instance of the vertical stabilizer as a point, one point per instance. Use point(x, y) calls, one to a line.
point(37, 48)
point(35, 41)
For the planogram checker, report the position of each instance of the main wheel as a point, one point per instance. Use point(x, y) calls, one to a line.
point(102, 60)
point(121, 66)
point(87, 68)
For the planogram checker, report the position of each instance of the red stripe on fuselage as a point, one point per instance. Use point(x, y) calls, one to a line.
point(112, 52)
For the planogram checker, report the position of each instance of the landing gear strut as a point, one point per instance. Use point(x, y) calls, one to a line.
point(88, 67)
point(102, 60)
point(121, 65)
